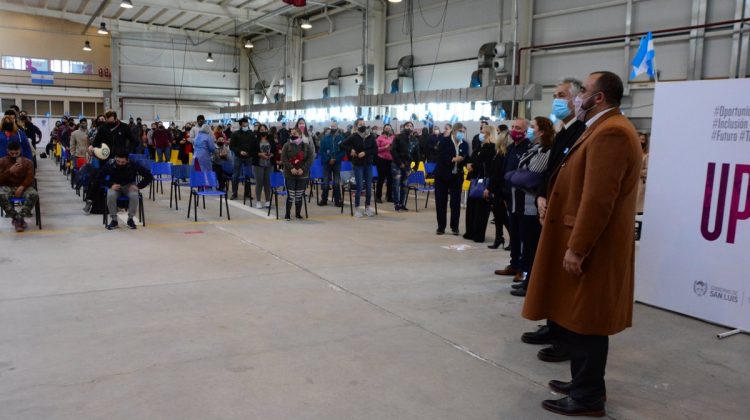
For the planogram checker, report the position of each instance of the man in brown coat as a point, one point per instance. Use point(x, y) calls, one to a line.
point(588, 231)
point(16, 179)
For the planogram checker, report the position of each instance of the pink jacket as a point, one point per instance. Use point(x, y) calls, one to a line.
point(384, 146)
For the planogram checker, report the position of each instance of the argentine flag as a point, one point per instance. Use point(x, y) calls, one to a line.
point(643, 62)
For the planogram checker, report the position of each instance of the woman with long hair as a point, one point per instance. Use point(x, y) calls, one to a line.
point(301, 126)
point(478, 208)
point(535, 161)
point(383, 162)
point(296, 157)
point(494, 191)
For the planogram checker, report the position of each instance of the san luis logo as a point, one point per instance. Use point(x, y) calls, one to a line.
point(700, 287)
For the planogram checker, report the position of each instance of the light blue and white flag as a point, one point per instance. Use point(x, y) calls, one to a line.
point(42, 77)
point(643, 62)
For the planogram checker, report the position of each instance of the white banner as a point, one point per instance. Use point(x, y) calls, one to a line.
point(694, 255)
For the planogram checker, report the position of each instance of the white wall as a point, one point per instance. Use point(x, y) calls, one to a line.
point(470, 23)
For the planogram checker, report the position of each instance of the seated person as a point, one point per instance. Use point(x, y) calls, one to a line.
point(119, 176)
point(16, 180)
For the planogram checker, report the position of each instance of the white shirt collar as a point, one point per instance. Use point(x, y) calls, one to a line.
point(569, 123)
point(593, 119)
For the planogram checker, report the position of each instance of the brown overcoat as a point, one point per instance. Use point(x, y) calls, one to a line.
point(591, 210)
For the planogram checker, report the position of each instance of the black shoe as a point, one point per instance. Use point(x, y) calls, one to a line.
point(299, 216)
point(570, 407)
point(440, 232)
point(112, 225)
point(339, 204)
point(564, 388)
point(466, 236)
point(379, 201)
point(541, 336)
point(516, 286)
point(497, 244)
point(521, 291)
point(507, 248)
point(560, 387)
point(287, 217)
point(554, 354)
point(402, 208)
point(455, 232)
point(131, 224)
point(322, 203)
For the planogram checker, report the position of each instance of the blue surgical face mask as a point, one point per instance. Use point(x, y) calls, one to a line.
point(530, 133)
point(560, 108)
point(460, 136)
point(245, 128)
point(481, 136)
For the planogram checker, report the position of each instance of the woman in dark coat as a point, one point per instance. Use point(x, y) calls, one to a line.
point(478, 209)
point(494, 192)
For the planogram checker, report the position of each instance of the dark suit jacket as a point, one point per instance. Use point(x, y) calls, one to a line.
point(564, 141)
point(446, 152)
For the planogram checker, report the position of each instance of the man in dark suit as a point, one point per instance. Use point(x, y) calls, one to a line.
point(453, 151)
point(564, 110)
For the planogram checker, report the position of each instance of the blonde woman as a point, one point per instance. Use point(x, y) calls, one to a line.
point(494, 191)
point(478, 209)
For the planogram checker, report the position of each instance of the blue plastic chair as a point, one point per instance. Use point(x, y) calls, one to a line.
point(278, 187)
point(203, 184)
point(180, 178)
point(316, 178)
point(18, 201)
point(429, 168)
point(122, 203)
point(162, 171)
point(417, 183)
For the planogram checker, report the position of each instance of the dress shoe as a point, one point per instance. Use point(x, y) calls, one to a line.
point(519, 277)
point(521, 291)
point(440, 232)
point(455, 232)
point(507, 248)
point(497, 244)
point(515, 286)
point(507, 271)
point(541, 336)
point(570, 407)
point(564, 388)
point(554, 353)
point(323, 203)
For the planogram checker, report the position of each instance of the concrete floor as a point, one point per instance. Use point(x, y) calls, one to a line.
point(330, 318)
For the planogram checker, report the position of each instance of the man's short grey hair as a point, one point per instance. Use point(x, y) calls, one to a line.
point(575, 85)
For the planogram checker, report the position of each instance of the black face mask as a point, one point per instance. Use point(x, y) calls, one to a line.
point(362, 129)
point(407, 131)
point(13, 158)
point(7, 127)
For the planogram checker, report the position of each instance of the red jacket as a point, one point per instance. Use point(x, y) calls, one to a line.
point(162, 139)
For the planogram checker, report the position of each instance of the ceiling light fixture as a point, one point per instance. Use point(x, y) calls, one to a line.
point(87, 46)
point(210, 58)
point(394, 1)
point(103, 29)
point(248, 44)
point(126, 4)
point(305, 24)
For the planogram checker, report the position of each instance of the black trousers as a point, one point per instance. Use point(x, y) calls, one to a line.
point(531, 229)
point(500, 213)
point(588, 361)
point(384, 176)
point(444, 189)
point(515, 221)
point(477, 216)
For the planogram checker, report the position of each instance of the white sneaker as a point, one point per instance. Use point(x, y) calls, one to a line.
point(258, 205)
point(358, 212)
point(369, 212)
point(268, 204)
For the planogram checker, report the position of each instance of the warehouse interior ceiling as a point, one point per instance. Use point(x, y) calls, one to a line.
point(179, 17)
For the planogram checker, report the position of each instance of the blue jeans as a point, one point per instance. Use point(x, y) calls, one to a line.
point(247, 165)
point(363, 174)
point(335, 173)
point(399, 176)
point(163, 154)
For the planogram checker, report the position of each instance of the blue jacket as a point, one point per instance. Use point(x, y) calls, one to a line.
point(445, 155)
point(21, 137)
point(204, 144)
point(330, 148)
